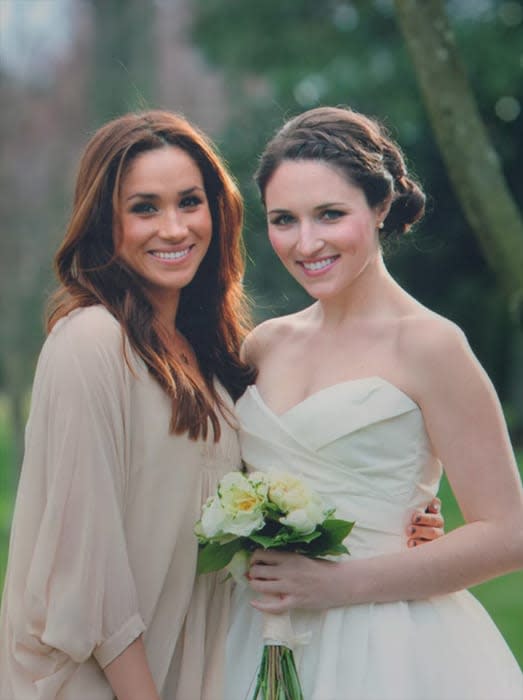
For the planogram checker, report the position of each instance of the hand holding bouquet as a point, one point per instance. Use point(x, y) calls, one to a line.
point(272, 510)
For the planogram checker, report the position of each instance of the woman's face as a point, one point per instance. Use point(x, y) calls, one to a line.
point(320, 226)
point(163, 226)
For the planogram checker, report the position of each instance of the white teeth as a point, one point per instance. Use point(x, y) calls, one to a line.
point(175, 255)
point(318, 265)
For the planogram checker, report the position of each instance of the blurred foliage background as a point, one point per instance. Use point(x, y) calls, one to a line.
point(237, 68)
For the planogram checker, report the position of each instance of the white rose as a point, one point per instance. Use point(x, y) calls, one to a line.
point(304, 520)
point(288, 492)
point(299, 520)
point(242, 503)
point(260, 483)
point(213, 518)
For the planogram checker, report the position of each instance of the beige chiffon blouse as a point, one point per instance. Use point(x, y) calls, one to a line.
point(102, 545)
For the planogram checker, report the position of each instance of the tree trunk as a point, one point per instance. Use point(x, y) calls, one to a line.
point(472, 163)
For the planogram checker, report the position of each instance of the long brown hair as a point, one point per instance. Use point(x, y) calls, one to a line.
point(212, 313)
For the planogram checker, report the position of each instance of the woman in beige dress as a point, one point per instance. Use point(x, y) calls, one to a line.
point(130, 429)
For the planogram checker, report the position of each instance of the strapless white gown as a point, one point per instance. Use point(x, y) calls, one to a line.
point(362, 444)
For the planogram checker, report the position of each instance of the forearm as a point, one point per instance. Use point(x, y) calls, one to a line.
point(129, 675)
point(462, 558)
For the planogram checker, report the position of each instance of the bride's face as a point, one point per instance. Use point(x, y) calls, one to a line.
point(321, 226)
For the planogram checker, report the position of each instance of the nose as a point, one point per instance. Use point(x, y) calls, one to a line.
point(172, 226)
point(309, 243)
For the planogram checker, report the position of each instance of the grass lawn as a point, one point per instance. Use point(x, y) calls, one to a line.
point(6, 496)
point(502, 597)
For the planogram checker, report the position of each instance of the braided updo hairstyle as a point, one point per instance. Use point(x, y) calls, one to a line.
point(357, 146)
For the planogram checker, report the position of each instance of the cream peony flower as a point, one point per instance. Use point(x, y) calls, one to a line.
point(303, 508)
point(241, 505)
point(304, 520)
point(213, 518)
point(288, 492)
point(260, 483)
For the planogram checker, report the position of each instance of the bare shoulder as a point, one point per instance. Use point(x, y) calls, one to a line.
point(428, 337)
point(271, 333)
point(439, 357)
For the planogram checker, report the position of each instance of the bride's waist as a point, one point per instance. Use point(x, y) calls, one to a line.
point(365, 542)
point(374, 515)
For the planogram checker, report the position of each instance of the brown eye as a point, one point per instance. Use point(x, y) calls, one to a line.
point(190, 202)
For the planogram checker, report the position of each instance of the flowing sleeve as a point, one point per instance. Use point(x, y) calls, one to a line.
point(79, 597)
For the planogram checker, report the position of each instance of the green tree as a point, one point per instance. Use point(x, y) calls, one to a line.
point(472, 163)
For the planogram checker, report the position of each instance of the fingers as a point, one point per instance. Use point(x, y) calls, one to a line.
point(272, 604)
point(431, 520)
point(270, 587)
point(276, 595)
point(261, 572)
point(268, 557)
point(434, 506)
point(265, 565)
point(421, 535)
point(426, 526)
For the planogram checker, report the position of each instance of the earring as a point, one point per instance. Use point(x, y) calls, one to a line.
point(381, 225)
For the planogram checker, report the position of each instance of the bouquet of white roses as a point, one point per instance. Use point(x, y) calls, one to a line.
point(271, 510)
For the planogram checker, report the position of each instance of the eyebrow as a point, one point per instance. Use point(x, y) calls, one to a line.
point(152, 195)
point(327, 205)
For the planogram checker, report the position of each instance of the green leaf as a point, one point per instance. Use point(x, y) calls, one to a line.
point(333, 532)
point(273, 510)
point(262, 540)
point(298, 537)
point(335, 550)
point(337, 529)
point(283, 539)
point(214, 556)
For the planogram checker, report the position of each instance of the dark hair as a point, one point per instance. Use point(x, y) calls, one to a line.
point(212, 312)
point(360, 148)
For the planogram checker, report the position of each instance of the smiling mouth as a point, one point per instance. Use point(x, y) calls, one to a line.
point(318, 264)
point(171, 255)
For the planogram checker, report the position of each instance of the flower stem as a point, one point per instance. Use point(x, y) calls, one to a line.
point(277, 678)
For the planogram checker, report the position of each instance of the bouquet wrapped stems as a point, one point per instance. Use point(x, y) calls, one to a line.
point(278, 677)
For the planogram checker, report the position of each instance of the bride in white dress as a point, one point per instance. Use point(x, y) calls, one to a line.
point(369, 395)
